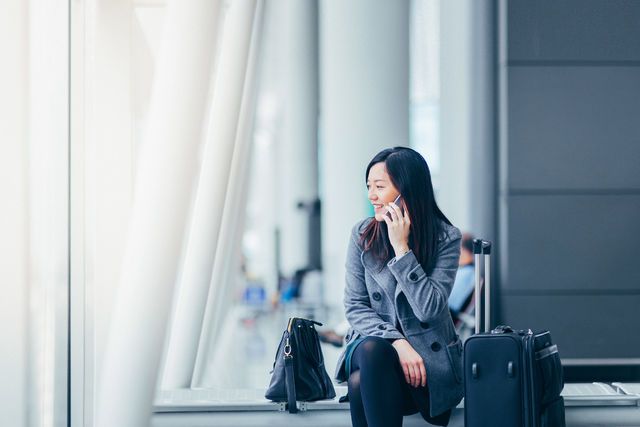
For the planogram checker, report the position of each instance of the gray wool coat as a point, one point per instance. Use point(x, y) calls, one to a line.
point(377, 295)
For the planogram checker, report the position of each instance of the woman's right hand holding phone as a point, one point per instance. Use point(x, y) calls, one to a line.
point(398, 227)
point(411, 362)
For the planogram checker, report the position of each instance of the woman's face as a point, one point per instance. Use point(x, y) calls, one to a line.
point(381, 190)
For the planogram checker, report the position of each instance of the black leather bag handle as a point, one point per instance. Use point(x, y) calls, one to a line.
point(289, 376)
point(291, 384)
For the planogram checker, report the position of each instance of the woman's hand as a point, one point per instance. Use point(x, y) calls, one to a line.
point(412, 364)
point(398, 226)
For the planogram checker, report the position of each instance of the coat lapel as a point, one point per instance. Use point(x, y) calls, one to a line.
point(381, 274)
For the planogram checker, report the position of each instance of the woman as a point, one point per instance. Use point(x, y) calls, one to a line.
point(403, 355)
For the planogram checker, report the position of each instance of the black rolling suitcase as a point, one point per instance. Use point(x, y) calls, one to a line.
point(511, 378)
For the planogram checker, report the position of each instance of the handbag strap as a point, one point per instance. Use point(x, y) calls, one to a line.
point(289, 377)
point(291, 384)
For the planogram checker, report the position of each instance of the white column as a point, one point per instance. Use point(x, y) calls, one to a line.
point(165, 176)
point(103, 150)
point(13, 217)
point(81, 367)
point(213, 194)
point(466, 110)
point(298, 149)
point(456, 77)
point(237, 75)
point(364, 108)
point(259, 238)
point(48, 190)
point(484, 165)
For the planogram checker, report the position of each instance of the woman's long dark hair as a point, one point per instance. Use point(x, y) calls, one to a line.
point(410, 174)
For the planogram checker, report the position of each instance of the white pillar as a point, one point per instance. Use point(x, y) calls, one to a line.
point(456, 76)
point(48, 190)
point(166, 170)
point(102, 168)
point(364, 108)
point(484, 164)
point(260, 238)
point(467, 166)
point(14, 215)
point(81, 383)
point(298, 149)
point(237, 75)
point(213, 193)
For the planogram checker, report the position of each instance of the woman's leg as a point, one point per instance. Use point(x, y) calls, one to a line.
point(358, 418)
point(420, 399)
point(376, 385)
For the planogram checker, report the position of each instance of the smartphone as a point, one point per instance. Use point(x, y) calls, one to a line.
point(397, 202)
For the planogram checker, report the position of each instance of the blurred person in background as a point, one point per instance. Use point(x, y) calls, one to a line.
point(463, 286)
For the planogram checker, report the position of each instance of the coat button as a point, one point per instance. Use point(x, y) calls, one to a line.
point(377, 296)
point(381, 326)
point(424, 325)
point(436, 346)
point(413, 276)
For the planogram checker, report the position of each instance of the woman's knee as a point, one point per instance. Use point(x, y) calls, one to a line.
point(354, 380)
point(354, 387)
point(375, 352)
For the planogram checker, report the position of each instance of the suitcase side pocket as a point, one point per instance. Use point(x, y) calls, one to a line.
point(553, 414)
point(550, 371)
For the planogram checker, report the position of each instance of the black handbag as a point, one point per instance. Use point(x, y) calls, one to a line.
point(298, 370)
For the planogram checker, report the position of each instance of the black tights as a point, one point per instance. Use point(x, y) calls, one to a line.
point(378, 392)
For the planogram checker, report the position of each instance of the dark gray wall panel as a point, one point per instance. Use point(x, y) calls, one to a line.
point(560, 242)
point(574, 127)
point(569, 154)
point(565, 30)
point(582, 326)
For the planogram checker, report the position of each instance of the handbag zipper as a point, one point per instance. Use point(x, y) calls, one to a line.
point(291, 319)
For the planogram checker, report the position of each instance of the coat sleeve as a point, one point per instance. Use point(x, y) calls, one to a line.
point(358, 310)
point(428, 295)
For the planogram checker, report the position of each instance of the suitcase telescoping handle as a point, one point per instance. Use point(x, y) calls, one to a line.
point(482, 248)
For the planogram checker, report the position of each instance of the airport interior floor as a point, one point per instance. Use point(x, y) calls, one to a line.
point(236, 384)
